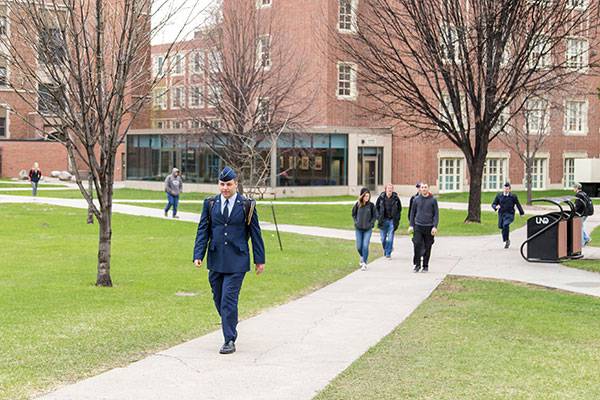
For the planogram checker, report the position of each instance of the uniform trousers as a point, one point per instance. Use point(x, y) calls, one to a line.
point(504, 221)
point(226, 292)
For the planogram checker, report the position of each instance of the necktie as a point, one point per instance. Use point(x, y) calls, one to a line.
point(226, 210)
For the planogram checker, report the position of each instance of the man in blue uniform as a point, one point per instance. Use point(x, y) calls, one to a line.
point(505, 203)
point(226, 223)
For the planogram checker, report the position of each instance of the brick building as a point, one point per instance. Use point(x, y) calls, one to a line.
point(357, 150)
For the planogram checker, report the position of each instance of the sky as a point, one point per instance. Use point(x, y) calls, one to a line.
point(182, 11)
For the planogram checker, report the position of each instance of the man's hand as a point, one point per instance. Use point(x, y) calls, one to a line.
point(260, 268)
point(198, 263)
point(410, 229)
point(433, 231)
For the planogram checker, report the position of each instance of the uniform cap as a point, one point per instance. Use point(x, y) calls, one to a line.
point(507, 184)
point(227, 174)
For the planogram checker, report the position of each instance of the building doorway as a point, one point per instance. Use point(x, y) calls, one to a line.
point(370, 170)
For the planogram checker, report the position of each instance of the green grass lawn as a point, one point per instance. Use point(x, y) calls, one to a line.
point(57, 327)
point(589, 265)
point(124, 193)
point(488, 340)
point(488, 197)
point(11, 185)
point(339, 216)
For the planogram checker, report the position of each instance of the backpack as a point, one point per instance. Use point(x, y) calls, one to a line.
point(589, 205)
point(249, 206)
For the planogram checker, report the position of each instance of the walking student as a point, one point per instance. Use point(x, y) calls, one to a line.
point(585, 208)
point(505, 203)
point(424, 219)
point(389, 209)
point(34, 177)
point(364, 215)
point(412, 199)
point(228, 220)
point(173, 188)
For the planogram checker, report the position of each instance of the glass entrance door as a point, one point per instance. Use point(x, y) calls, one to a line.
point(370, 172)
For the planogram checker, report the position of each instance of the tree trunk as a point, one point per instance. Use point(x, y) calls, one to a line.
point(104, 246)
point(241, 187)
point(475, 175)
point(528, 180)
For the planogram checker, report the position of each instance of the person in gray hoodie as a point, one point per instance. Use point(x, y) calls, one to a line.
point(173, 188)
point(364, 214)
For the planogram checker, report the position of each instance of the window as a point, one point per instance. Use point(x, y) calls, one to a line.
point(159, 65)
point(346, 88)
point(450, 174)
point(569, 172)
point(51, 46)
point(577, 54)
point(536, 116)
point(177, 67)
point(159, 98)
point(197, 62)
point(540, 55)
point(194, 124)
point(177, 97)
point(502, 124)
point(177, 125)
point(578, 4)
point(494, 173)
point(3, 25)
point(262, 111)
point(3, 80)
point(538, 173)
point(347, 16)
point(161, 124)
point(263, 3)
point(215, 61)
point(196, 97)
point(576, 117)
point(449, 114)
point(47, 100)
point(214, 95)
point(450, 44)
point(2, 127)
point(263, 52)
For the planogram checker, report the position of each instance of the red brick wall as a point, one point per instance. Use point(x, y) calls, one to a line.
point(18, 155)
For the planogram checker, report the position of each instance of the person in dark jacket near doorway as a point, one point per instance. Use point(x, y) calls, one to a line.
point(424, 219)
point(364, 215)
point(412, 199)
point(389, 209)
point(505, 204)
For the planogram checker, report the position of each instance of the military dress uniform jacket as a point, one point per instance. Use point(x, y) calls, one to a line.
point(227, 240)
point(507, 204)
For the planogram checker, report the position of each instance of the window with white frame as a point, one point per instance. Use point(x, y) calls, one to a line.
point(161, 124)
point(450, 174)
point(450, 43)
point(502, 125)
point(263, 51)
point(569, 172)
point(447, 111)
point(347, 15)
point(576, 117)
point(346, 86)
point(177, 124)
point(214, 60)
point(215, 93)
point(197, 62)
point(196, 97)
point(577, 53)
point(3, 24)
point(537, 116)
point(177, 65)
point(159, 98)
point(263, 3)
point(177, 97)
point(194, 124)
point(540, 55)
point(578, 4)
point(538, 173)
point(3, 76)
point(494, 173)
point(159, 65)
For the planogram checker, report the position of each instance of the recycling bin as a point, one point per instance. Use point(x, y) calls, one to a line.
point(547, 237)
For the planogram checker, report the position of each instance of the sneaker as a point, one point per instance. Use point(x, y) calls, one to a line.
point(417, 268)
point(425, 269)
point(176, 216)
point(507, 244)
point(587, 242)
point(363, 267)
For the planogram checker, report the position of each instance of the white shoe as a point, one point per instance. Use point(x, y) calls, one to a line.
point(363, 267)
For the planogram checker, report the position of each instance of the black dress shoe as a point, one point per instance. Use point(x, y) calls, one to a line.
point(425, 269)
point(417, 268)
point(228, 348)
point(507, 244)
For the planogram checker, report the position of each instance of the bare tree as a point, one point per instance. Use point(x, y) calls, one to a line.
point(257, 89)
point(450, 68)
point(89, 81)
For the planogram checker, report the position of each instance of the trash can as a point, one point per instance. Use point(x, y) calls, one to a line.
point(547, 237)
point(574, 228)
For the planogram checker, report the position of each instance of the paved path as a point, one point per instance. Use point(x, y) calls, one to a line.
point(294, 350)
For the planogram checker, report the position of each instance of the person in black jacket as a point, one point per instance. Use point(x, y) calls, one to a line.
point(364, 215)
point(581, 208)
point(389, 209)
point(412, 199)
point(505, 203)
point(424, 220)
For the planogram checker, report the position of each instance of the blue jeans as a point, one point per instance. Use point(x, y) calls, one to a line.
point(173, 201)
point(363, 238)
point(34, 186)
point(387, 236)
point(584, 235)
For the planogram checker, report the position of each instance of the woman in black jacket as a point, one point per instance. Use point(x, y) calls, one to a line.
point(364, 215)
